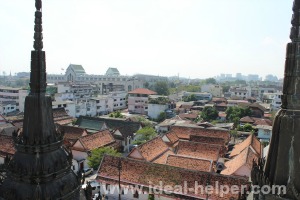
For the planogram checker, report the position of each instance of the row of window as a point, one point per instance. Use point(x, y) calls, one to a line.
point(146, 107)
point(88, 78)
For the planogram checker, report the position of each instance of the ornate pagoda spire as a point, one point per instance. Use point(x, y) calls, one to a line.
point(41, 166)
point(282, 166)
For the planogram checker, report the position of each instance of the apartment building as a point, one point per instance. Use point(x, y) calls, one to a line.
point(17, 95)
point(138, 100)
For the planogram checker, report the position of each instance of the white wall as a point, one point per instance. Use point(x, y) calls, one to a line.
point(155, 109)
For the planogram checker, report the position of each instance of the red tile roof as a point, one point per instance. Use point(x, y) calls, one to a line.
point(150, 150)
point(199, 150)
point(208, 140)
point(72, 133)
point(172, 137)
point(184, 132)
point(96, 140)
point(247, 119)
point(163, 158)
point(188, 116)
point(142, 91)
point(245, 158)
point(190, 163)
point(250, 141)
point(147, 174)
point(7, 146)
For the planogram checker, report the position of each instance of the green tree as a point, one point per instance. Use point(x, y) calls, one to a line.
point(161, 117)
point(116, 114)
point(209, 113)
point(234, 134)
point(236, 112)
point(97, 154)
point(161, 88)
point(210, 81)
point(144, 134)
point(191, 97)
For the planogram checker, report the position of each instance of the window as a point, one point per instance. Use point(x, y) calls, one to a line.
point(65, 105)
point(59, 106)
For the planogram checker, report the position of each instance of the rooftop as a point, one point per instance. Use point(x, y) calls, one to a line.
point(198, 150)
point(190, 163)
point(150, 150)
point(146, 173)
point(142, 91)
point(96, 140)
point(250, 141)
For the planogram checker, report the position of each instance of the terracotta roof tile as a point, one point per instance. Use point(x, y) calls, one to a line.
point(263, 122)
point(72, 134)
point(172, 137)
point(208, 140)
point(250, 141)
point(245, 158)
point(152, 149)
point(145, 173)
point(247, 119)
point(198, 150)
point(163, 158)
point(142, 91)
point(6, 145)
point(184, 132)
point(190, 163)
point(188, 116)
point(97, 140)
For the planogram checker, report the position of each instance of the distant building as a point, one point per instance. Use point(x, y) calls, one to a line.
point(215, 90)
point(112, 72)
point(17, 95)
point(199, 95)
point(138, 100)
point(110, 82)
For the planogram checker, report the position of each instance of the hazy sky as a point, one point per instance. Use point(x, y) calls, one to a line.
point(195, 38)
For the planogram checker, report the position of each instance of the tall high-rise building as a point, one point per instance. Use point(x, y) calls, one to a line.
point(41, 167)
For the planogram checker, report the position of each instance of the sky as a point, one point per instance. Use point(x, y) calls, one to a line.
point(189, 38)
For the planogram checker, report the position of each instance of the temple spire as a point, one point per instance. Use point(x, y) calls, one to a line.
point(295, 30)
point(38, 61)
point(41, 167)
point(282, 167)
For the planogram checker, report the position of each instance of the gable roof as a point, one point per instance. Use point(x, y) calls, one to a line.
point(152, 149)
point(163, 158)
point(245, 158)
point(127, 128)
point(142, 173)
point(184, 132)
point(7, 146)
point(72, 132)
point(190, 163)
point(172, 137)
point(96, 140)
point(77, 68)
point(198, 150)
point(252, 141)
point(90, 123)
point(208, 140)
point(142, 91)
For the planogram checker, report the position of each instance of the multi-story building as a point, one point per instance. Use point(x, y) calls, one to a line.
point(14, 94)
point(110, 82)
point(215, 90)
point(158, 104)
point(240, 92)
point(199, 95)
point(138, 100)
point(69, 107)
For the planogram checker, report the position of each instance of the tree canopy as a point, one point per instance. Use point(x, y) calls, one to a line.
point(235, 113)
point(144, 134)
point(209, 113)
point(97, 155)
point(161, 88)
point(210, 81)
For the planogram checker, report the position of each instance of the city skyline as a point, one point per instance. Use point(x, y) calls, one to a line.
point(189, 38)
